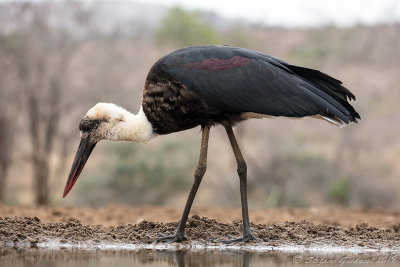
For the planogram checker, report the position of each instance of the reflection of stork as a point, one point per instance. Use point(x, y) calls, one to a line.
point(208, 85)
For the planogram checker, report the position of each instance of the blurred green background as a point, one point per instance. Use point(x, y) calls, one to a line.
point(57, 59)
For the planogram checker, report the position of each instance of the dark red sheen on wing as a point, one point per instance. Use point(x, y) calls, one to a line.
point(218, 64)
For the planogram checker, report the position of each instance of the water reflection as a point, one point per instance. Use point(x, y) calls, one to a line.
point(180, 258)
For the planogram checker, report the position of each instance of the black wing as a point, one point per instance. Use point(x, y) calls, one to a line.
point(235, 80)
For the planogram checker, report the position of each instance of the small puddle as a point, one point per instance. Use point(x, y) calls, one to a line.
point(101, 255)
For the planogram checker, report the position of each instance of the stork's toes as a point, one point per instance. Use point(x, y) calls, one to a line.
point(244, 239)
point(170, 238)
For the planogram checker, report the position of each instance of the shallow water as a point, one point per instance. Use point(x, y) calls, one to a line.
point(204, 257)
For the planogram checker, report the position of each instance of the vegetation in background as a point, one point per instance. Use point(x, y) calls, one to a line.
point(139, 174)
point(283, 180)
point(237, 35)
point(185, 28)
point(339, 191)
point(40, 55)
point(7, 130)
point(56, 62)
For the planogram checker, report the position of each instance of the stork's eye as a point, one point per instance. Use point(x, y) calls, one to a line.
point(85, 128)
point(89, 125)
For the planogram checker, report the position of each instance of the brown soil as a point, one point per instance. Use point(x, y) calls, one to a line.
point(120, 224)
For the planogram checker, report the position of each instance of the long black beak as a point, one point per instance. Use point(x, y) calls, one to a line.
point(82, 155)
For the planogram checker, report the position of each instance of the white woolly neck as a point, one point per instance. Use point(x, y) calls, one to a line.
point(122, 125)
point(136, 128)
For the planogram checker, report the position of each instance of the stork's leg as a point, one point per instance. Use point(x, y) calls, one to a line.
point(179, 235)
point(242, 171)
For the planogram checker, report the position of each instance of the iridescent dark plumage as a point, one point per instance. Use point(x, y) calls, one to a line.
point(216, 84)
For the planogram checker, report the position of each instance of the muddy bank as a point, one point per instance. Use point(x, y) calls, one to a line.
point(32, 231)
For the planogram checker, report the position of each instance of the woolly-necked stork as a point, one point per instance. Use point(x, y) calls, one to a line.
point(209, 85)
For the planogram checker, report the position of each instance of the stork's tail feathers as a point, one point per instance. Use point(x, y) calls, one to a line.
point(341, 112)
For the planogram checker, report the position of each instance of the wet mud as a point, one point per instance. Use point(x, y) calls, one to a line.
point(31, 231)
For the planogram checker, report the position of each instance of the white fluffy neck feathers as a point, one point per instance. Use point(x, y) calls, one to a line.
point(118, 124)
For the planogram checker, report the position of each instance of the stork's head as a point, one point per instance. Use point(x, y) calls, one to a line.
point(110, 122)
point(102, 122)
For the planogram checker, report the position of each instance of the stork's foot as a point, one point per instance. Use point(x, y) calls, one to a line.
point(244, 239)
point(171, 238)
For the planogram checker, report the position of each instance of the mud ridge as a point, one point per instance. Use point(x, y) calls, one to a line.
point(31, 231)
